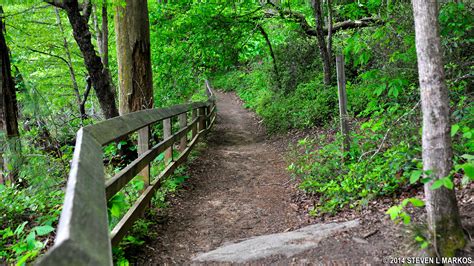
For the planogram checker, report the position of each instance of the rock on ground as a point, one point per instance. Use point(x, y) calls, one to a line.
point(287, 244)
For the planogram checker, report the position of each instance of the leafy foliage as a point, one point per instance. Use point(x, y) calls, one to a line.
point(191, 41)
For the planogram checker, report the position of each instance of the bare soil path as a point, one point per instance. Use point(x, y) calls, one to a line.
point(238, 188)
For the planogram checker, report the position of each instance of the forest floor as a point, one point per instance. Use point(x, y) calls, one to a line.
point(239, 188)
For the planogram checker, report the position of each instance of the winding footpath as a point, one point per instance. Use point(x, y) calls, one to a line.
point(238, 189)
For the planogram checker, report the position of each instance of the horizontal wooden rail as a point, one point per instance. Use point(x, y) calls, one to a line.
point(116, 183)
point(83, 236)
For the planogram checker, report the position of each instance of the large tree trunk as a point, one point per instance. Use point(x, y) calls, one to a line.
point(100, 76)
point(321, 42)
point(133, 54)
point(441, 206)
point(8, 110)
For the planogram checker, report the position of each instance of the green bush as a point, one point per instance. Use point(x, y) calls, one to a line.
point(310, 104)
point(27, 219)
point(298, 63)
point(365, 173)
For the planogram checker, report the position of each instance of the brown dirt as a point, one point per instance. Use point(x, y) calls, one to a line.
point(239, 188)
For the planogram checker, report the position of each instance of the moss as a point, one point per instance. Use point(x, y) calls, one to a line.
point(451, 239)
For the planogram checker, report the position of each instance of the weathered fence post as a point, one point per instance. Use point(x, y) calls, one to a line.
point(167, 134)
point(144, 146)
point(208, 116)
point(194, 129)
point(202, 118)
point(341, 85)
point(183, 122)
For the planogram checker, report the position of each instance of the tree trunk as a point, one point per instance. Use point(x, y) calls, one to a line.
point(100, 76)
point(133, 54)
point(329, 48)
point(272, 54)
point(102, 33)
point(443, 215)
point(97, 29)
point(321, 42)
point(8, 110)
point(105, 36)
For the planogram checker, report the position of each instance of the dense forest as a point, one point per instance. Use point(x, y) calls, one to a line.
point(408, 124)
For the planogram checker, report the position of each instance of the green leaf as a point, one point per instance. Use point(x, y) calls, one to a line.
point(424, 245)
point(445, 181)
point(405, 202)
point(406, 218)
point(138, 184)
point(123, 262)
point(467, 135)
point(393, 212)
point(454, 129)
point(31, 240)
point(44, 230)
point(415, 176)
point(22, 260)
point(448, 183)
point(20, 228)
point(425, 180)
point(417, 202)
point(437, 184)
point(468, 170)
point(6, 233)
point(393, 91)
point(115, 210)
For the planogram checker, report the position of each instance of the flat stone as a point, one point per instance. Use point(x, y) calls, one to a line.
point(287, 244)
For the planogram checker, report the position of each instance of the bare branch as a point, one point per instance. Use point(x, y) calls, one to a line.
point(49, 54)
point(301, 19)
point(87, 91)
point(388, 130)
point(25, 11)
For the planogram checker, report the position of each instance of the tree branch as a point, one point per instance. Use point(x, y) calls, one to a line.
point(301, 20)
point(25, 11)
point(87, 91)
point(49, 54)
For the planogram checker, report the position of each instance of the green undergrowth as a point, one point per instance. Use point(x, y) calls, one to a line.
point(38, 212)
point(30, 208)
point(384, 159)
point(304, 107)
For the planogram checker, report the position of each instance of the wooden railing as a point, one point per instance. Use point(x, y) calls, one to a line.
point(83, 236)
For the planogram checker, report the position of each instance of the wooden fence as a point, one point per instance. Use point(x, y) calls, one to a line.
point(83, 236)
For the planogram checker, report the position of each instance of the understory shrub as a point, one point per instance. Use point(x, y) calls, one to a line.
point(310, 104)
point(371, 168)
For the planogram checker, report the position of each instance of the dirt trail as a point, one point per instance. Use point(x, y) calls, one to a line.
point(238, 188)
